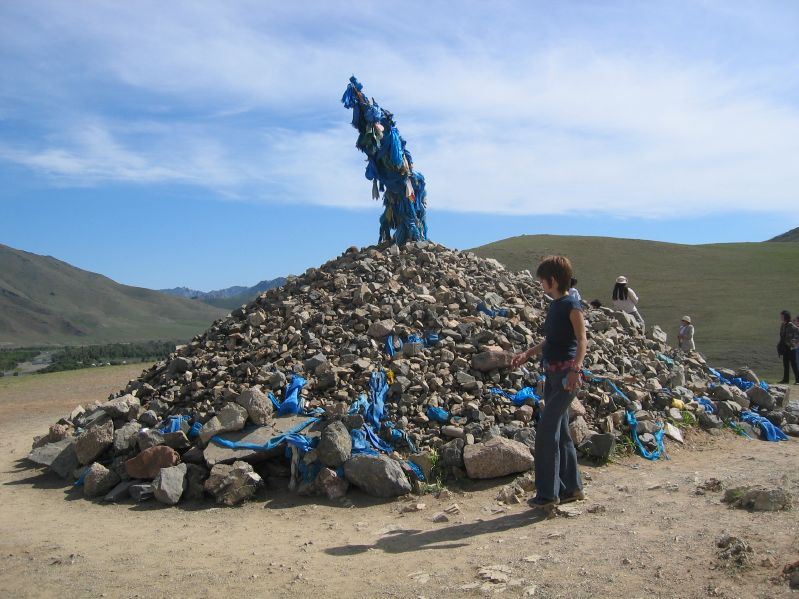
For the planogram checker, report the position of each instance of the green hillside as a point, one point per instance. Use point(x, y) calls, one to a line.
point(46, 301)
point(734, 291)
point(790, 236)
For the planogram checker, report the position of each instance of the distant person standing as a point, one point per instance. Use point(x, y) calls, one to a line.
point(573, 291)
point(625, 299)
point(789, 339)
point(685, 337)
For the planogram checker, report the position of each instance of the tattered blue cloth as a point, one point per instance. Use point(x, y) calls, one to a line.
point(481, 307)
point(175, 424)
point(768, 429)
point(742, 384)
point(706, 404)
point(290, 437)
point(436, 414)
point(519, 398)
point(292, 403)
point(428, 340)
point(389, 167)
point(649, 455)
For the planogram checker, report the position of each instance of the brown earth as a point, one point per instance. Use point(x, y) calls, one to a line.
point(655, 538)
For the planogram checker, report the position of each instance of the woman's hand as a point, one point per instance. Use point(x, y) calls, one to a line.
point(574, 380)
point(520, 358)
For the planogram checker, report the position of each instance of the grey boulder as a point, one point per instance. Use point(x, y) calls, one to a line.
point(377, 475)
point(496, 457)
point(170, 483)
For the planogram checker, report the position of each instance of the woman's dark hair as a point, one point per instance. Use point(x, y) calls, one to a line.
point(573, 282)
point(786, 316)
point(596, 303)
point(620, 291)
point(558, 269)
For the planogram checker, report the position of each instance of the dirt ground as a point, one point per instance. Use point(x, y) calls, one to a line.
point(643, 531)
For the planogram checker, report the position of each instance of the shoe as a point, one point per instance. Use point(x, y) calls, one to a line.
point(543, 503)
point(783, 382)
point(578, 495)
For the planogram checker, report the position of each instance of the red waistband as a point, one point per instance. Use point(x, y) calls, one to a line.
point(556, 366)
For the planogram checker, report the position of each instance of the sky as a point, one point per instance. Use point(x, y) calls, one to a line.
point(204, 144)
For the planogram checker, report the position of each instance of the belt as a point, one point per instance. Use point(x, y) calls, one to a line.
point(557, 366)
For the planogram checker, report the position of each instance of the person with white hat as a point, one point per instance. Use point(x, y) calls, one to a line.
point(685, 338)
point(626, 300)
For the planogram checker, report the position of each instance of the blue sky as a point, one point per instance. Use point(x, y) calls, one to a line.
point(204, 144)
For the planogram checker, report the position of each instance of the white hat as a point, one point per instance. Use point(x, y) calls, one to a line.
point(621, 280)
point(686, 319)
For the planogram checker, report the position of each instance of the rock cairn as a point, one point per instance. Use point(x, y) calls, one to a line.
point(453, 321)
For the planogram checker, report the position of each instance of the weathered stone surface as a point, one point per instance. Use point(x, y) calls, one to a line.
point(195, 482)
point(99, 480)
point(120, 492)
point(599, 446)
point(335, 446)
point(578, 428)
point(140, 491)
point(231, 417)
point(761, 397)
point(331, 484)
point(497, 457)
point(232, 483)
point(259, 407)
point(758, 499)
point(60, 457)
point(125, 437)
point(169, 484)
point(657, 334)
point(94, 442)
point(150, 437)
point(377, 475)
point(381, 329)
point(491, 360)
point(149, 462)
point(452, 454)
point(709, 421)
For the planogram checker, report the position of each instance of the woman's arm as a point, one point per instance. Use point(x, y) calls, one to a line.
point(578, 323)
point(632, 297)
point(522, 357)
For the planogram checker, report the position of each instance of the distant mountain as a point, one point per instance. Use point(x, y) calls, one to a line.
point(229, 298)
point(792, 235)
point(46, 301)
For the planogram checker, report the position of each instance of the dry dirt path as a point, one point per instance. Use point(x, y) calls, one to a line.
point(655, 538)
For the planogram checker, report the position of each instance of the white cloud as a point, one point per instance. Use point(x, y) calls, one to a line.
point(514, 112)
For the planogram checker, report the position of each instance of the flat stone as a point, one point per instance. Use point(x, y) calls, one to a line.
point(381, 329)
point(126, 407)
point(217, 454)
point(120, 492)
point(230, 418)
point(169, 484)
point(125, 437)
point(496, 457)
point(60, 457)
point(377, 475)
point(760, 397)
point(491, 360)
point(599, 446)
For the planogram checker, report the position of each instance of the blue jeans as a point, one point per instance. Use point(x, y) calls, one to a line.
point(556, 469)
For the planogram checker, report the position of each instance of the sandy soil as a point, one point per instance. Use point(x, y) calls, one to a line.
point(651, 534)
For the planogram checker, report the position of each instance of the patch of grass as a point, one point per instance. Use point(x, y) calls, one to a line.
point(719, 285)
point(688, 420)
point(625, 447)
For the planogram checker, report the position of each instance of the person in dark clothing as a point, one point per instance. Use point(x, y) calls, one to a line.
point(557, 475)
point(789, 339)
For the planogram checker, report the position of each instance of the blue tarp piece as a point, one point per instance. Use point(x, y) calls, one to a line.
point(767, 428)
point(378, 388)
point(439, 415)
point(81, 478)
point(377, 442)
point(400, 435)
point(519, 398)
point(742, 384)
point(664, 358)
point(195, 430)
point(417, 470)
point(389, 167)
point(481, 307)
point(360, 444)
point(429, 340)
point(291, 437)
point(175, 423)
point(649, 455)
point(706, 404)
point(292, 402)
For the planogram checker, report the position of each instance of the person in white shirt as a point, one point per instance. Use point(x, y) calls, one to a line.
point(625, 299)
point(685, 337)
point(573, 291)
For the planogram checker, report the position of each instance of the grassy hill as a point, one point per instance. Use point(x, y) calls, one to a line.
point(47, 301)
point(734, 291)
point(790, 236)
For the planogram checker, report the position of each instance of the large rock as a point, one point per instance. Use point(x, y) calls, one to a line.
point(232, 483)
point(150, 461)
point(195, 482)
point(381, 329)
point(94, 442)
point(125, 437)
point(335, 446)
point(496, 457)
point(578, 429)
point(657, 334)
point(169, 484)
point(259, 407)
point(599, 446)
point(60, 457)
point(452, 454)
point(99, 480)
point(126, 407)
point(377, 475)
point(491, 360)
point(231, 417)
point(760, 397)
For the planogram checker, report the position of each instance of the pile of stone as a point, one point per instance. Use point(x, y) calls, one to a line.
point(332, 326)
